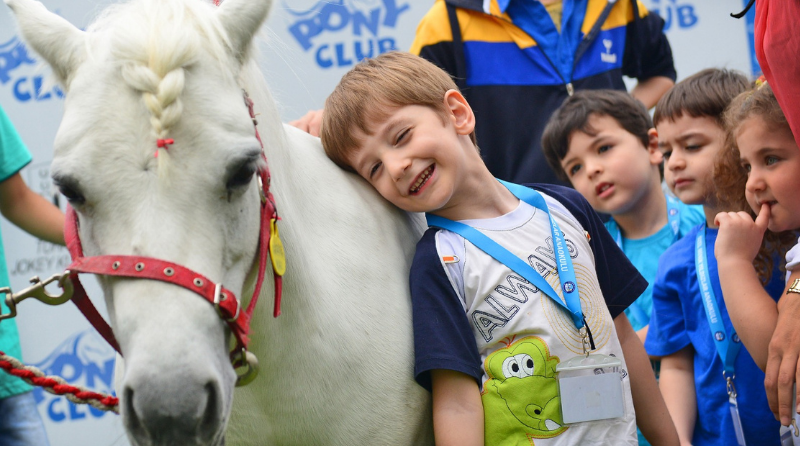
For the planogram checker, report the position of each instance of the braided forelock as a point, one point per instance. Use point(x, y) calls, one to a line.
point(154, 40)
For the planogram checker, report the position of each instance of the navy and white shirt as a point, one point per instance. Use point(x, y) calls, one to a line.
point(474, 315)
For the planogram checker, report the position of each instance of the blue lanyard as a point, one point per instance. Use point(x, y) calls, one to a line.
point(727, 347)
point(673, 216)
point(566, 273)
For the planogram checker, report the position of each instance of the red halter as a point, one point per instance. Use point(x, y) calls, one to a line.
point(225, 302)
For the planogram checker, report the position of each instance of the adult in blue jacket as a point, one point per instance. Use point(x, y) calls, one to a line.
point(517, 60)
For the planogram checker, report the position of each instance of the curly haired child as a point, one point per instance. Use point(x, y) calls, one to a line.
point(763, 167)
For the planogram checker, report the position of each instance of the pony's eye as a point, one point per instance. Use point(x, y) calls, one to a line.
point(241, 177)
point(71, 194)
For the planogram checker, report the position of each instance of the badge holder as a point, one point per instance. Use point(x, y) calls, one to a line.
point(590, 387)
point(791, 435)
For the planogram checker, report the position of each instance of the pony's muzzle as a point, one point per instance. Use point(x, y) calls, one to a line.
point(192, 419)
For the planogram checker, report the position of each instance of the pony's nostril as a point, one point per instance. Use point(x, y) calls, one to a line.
point(209, 424)
point(129, 415)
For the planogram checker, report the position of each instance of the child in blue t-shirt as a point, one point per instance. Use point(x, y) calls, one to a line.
point(603, 142)
point(702, 357)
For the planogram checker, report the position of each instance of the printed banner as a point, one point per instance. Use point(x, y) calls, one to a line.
point(309, 45)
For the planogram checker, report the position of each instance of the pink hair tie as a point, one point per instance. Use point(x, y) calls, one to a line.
point(163, 143)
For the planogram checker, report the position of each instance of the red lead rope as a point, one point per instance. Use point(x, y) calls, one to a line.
point(57, 385)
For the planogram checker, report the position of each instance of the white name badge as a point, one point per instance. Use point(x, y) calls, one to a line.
point(590, 388)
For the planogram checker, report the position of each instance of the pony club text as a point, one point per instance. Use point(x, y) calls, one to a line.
point(17, 68)
point(340, 34)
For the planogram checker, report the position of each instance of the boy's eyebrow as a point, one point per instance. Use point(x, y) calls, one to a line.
point(388, 126)
point(592, 144)
point(685, 137)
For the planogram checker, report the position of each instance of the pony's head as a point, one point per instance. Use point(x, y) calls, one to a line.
point(146, 72)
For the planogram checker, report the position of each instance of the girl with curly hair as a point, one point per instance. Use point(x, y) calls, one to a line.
point(758, 178)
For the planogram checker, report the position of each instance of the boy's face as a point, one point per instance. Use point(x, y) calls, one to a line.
point(772, 161)
point(690, 145)
point(611, 169)
point(415, 158)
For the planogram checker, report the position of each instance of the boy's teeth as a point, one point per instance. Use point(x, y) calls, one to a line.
point(422, 179)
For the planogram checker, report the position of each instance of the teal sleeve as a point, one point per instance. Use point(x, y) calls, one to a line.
point(13, 153)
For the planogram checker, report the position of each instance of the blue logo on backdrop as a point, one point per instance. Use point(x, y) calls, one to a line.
point(84, 359)
point(676, 12)
point(359, 27)
point(14, 54)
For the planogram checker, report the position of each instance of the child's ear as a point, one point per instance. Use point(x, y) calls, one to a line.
point(656, 157)
point(460, 112)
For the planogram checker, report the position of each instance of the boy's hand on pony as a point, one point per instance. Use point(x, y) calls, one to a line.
point(311, 123)
point(740, 236)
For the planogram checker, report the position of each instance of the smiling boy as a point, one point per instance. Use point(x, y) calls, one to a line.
point(488, 339)
point(603, 142)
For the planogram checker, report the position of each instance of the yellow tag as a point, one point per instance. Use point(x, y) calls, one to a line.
point(277, 255)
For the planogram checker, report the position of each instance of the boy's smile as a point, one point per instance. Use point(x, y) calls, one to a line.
point(690, 145)
point(419, 160)
point(420, 183)
point(772, 160)
point(611, 168)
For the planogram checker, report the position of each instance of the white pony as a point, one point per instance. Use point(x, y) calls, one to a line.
point(336, 366)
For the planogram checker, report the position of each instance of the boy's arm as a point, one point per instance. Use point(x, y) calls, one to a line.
point(753, 312)
point(30, 211)
point(677, 387)
point(457, 409)
point(652, 415)
point(649, 91)
point(642, 333)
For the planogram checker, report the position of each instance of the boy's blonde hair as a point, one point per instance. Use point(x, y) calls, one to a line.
point(373, 86)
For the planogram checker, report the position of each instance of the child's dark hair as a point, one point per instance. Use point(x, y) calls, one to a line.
point(730, 177)
point(574, 114)
point(704, 94)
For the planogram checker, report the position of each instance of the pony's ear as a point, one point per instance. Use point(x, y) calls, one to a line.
point(241, 19)
point(57, 41)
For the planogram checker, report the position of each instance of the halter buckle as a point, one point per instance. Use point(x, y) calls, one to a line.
point(261, 190)
point(217, 296)
point(38, 291)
